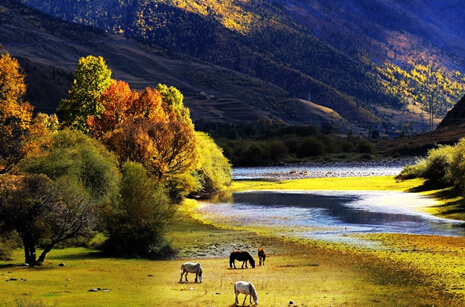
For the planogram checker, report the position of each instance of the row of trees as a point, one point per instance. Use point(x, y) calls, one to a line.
point(112, 160)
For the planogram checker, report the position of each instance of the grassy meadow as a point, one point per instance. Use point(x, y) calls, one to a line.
point(400, 270)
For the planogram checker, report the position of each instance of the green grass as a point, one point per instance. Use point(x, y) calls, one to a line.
point(406, 271)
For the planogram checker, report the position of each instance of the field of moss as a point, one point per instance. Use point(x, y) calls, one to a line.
point(398, 270)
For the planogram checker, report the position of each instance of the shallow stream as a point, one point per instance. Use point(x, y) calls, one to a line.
point(331, 215)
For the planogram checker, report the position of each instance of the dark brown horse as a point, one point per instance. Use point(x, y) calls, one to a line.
point(241, 256)
point(261, 256)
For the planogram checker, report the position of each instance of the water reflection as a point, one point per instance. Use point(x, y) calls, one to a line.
point(335, 213)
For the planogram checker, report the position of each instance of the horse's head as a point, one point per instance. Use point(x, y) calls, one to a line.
point(252, 262)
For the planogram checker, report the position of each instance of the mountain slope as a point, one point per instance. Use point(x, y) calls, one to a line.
point(356, 57)
point(49, 49)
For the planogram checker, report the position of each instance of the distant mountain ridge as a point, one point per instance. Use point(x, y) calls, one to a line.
point(275, 52)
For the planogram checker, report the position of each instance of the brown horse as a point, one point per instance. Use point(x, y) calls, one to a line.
point(241, 256)
point(261, 256)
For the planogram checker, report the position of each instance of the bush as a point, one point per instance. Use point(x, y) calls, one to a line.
point(348, 146)
point(310, 147)
point(456, 173)
point(366, 147)
point(435, 167)
point(276, 149)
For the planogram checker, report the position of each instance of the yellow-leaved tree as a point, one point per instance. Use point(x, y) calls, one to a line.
point(15, 115)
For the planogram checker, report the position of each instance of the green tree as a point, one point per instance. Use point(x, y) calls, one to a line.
point(54, 200)
point(73, 155)
point(91, 79)
point(136, 222)
point(43, 212)
point(214, 170)
point(174, 99)
point(15, 115)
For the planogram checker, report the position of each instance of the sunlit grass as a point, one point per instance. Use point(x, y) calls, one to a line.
point(349, 183)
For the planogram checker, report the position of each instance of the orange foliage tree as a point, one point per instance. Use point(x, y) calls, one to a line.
point(138, 127)
point(15, 115)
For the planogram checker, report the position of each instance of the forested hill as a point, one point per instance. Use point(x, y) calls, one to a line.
point(361, 58)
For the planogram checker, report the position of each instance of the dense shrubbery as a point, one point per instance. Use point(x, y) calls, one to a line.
point(444, 165)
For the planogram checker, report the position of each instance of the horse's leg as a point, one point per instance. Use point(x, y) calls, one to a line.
point(187, 272)
point(244, 299)
point(196, 274)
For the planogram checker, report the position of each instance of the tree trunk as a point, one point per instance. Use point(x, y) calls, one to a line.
point(44, 253)
point(29, 252)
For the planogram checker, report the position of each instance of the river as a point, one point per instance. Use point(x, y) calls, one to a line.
point(331, 215)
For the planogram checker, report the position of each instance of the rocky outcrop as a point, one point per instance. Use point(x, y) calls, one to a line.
point(455, 115)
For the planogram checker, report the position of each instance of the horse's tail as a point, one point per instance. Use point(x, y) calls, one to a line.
point(182, 268)
point(231, 260)
point(200, 269)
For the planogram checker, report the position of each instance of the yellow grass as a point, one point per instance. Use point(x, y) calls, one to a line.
point(350, 183)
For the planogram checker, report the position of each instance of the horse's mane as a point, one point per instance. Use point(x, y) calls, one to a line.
point(252, 290)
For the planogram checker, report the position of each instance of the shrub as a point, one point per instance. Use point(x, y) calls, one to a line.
point(310, 147)
point(437, 164)
point(348, 146)
point(366, 147)
point(456, 173)
point(276, 149)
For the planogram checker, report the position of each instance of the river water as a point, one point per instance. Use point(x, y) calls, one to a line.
point(331, 215)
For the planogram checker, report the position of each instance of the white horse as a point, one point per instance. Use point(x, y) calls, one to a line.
point(246, 288)
point(191, 267)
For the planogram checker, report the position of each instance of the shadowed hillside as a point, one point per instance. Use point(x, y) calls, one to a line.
point(367, 60)
point(48, 49)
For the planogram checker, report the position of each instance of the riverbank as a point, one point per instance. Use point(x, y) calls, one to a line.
point(391, 167)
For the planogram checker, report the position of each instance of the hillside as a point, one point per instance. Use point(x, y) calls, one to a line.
point(369, 61)
point(48, 49)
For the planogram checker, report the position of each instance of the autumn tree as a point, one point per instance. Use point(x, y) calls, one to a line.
point(137, 126)
point(163, 148)
point(15, 115)
point(91, 79)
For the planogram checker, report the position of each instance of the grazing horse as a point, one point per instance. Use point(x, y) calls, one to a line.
point(246, 288)
point(241, 256)
point(191, 267)
point(261, 256)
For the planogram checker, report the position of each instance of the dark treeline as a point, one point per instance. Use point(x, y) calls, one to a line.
point(268, 142)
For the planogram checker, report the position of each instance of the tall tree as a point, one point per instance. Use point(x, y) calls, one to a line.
point(91, 79)
point(141, 127)
point(15, 115)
